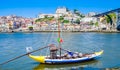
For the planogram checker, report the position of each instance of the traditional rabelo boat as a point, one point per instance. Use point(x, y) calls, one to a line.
point(68, 57)
point(71, 57)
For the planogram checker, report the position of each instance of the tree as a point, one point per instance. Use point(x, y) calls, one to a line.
point(82, 16)
point(46, 18)
point(75, 11)
point(50, 18)
point(111, 18)
point(61, 18)
point(77, 21)
point(96, 24)
point(39, 20)
point(65, 21)
point(78, 13)
point(30, 28)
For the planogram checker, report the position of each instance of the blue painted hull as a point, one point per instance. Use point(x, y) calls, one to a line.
point(76, 60)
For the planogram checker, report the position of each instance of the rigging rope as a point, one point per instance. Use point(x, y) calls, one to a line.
point(49, 38)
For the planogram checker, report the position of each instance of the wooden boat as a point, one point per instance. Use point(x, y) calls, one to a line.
point(85, 57)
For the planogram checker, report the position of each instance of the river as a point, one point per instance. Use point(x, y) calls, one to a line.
point(14, 44)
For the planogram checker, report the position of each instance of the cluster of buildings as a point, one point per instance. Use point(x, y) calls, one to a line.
point(69, 15)
point(18, 23)
point(72, 17)
point(86, 23)
point(12, 22)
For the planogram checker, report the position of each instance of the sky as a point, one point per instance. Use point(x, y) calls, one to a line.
point(31, 8)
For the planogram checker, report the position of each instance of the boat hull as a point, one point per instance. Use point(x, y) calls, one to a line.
point(73, 60)
point(42, 59)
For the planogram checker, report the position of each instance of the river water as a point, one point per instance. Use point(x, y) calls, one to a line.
point(14, 44)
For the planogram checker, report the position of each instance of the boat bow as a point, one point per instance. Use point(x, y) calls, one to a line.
point(40, 59)
point(99, 53)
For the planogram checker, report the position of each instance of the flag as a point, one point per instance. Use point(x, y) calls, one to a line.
point(60, 40)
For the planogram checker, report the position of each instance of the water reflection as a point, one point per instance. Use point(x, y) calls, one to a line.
point(73, 66)
point(79, 66)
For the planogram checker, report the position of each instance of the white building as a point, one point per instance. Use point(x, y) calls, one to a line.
point(61, 10)
point(89, 19)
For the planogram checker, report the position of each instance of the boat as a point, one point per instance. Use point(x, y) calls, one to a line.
point(86, 57)
point(67, 57)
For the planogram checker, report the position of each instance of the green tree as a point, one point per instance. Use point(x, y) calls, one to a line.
point(78, 13)
point(75, 11)
point(50, 18)
point(111, 18)
point(60, 19)
point(82, 16)
point(46, 18)
point(65, 21)
point(30, 28)
point(39, 20)
point(77, 21)
point(96, 24)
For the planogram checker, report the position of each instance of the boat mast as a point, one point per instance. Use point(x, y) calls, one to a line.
point(59, 37)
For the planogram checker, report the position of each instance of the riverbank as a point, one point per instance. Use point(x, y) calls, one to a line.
point(27, 31)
